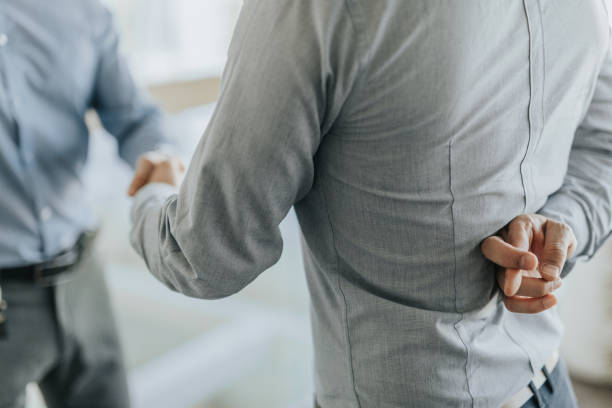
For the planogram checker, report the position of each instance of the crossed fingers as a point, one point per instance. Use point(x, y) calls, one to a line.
point(530, 254)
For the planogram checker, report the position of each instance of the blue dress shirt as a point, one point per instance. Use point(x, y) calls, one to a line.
point(57, 60)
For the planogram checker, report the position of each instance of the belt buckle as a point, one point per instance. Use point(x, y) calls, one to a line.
point(40, 278)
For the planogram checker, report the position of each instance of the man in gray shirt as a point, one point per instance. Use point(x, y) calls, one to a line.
point(404, 133)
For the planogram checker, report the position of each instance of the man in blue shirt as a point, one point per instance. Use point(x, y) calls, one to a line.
point(57, 60)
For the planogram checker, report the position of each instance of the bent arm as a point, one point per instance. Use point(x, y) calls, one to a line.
point(124, 109)
point(280, 91)
point(584, 201)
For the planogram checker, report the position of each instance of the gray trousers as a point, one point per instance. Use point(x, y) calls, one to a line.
point(64, 338)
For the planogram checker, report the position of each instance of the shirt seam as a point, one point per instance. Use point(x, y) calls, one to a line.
point(457, 323)
point(357, 18)
point(360, 71)
point(543, 82)
point(346, 327)
point(529, 114)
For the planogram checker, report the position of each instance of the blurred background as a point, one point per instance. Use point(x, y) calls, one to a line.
point(253, 349)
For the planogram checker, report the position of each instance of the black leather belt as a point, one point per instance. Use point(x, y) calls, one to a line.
point(47, 273)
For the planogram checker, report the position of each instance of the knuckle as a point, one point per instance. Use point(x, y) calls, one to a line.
point(556, 252)
point(143, 161)
point(176, 163)
point(531, 219)
point(541, 290)
point(510, 305)
point(166, 165)
point(521, 222)
point(554, 260)
point(573, 245)
point(556, 246)
point(570, 234)
point(565, 230)
point(486, 244)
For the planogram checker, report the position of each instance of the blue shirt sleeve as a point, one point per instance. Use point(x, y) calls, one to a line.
point(124, 109)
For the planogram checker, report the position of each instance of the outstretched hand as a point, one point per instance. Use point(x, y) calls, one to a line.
point(530, 253)
point(156, 167)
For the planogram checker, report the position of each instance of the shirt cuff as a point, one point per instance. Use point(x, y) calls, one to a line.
point(150, 194)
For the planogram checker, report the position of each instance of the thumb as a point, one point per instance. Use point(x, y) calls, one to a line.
point(557, 240)
point(143, 171)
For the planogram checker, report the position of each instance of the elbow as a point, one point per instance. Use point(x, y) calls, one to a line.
point(206, 289)
point(198, 290)
point(212, 277)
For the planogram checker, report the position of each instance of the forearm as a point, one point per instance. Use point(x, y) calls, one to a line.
point(149, 216)
point(125, 109)
point(196, 254)
point(138, 129)
point(152, 214)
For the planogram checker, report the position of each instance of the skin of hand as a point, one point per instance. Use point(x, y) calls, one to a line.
point(530, 253)
point(156, 167)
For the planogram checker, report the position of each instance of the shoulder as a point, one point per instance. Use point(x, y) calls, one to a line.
point(91, 13)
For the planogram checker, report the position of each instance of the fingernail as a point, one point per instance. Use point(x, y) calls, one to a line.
point(524, 262)
point(548, 302)
point(551, 271)
point(554, 285)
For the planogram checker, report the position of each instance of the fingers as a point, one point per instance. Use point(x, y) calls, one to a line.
point(508, 256)
point(144, 168)
point(156, 167)
point(530, 241)
point(519, 233)
point(559, 240)
point(536, 287)
point(530, 305)
point(169, 171)
point(509, 280)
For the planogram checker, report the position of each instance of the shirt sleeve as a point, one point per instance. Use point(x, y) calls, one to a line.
point(291, 66)
point(584, 201)
point(124, 109)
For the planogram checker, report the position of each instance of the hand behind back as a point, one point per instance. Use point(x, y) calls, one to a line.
point(530, 253)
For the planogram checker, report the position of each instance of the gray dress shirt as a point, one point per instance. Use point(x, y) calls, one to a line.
point(404, 133)
point(59, 58)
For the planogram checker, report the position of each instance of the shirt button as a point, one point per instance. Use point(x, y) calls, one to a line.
point(45, 214)
point(3, 39)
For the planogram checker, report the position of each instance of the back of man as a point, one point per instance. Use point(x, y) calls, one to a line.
point(405, 133)
point(463, 117)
